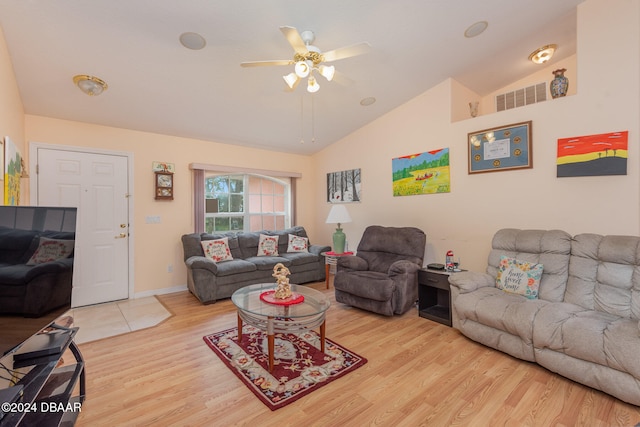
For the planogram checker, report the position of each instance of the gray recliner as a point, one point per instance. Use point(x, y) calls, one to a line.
point(383, 276)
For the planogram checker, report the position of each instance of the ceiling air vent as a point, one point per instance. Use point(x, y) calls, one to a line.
point(522, 97)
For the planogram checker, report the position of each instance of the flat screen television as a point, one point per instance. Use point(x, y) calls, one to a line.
point(37, 247)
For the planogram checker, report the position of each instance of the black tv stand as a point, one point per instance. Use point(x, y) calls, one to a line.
point(50, 395)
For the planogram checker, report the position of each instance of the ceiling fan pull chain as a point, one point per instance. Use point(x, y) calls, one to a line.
point(313, 118)
point(302, 120)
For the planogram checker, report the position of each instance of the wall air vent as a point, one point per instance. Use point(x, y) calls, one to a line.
point(522, 97)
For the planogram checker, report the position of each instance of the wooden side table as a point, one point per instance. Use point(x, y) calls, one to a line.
point(434, 295)
point(331, 259)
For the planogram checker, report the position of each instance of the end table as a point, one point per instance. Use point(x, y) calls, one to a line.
point(331, 259)
point(434, 295)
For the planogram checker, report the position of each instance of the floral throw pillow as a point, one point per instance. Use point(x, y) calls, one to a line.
point(217, 250)
point(268, 245)
point(519, 277)
point(298, 244)
point(51, 250)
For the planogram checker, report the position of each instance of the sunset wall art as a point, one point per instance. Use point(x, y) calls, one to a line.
point(593, 155)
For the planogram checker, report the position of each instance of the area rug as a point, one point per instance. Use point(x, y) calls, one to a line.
point(299, 367)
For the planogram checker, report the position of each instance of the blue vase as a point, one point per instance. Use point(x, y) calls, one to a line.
point(560, 84)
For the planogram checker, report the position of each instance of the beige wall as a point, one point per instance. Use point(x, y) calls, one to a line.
point(464, 220)
point(478, 205)
point(158, 245)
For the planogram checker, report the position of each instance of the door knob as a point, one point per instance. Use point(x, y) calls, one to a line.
point(121, 236)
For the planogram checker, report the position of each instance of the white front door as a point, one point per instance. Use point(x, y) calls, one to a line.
point(97, 184)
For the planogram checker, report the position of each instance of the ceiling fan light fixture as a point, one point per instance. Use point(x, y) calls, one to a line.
point(327, 71)
point(90, 85)
point(303, 68)
point(312, 85)
point(543, 54)
point(291, 79)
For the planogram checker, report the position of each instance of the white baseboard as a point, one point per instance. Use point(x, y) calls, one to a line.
point(162, 291)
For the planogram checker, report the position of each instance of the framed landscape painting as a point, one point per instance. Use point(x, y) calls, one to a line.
point(422, 173)
point(593, 155)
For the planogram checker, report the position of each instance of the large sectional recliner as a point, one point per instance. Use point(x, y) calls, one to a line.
point(210, 281)
point(583, 325)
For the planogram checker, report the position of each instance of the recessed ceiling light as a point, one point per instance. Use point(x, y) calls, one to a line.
point(192, 41)
point(543, 54)
point(476, 29)
point(365, 102)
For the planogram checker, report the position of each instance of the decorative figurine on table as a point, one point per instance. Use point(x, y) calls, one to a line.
point(283, 290)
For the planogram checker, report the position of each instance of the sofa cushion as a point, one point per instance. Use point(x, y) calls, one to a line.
point(500, 310)
point(300, 258)
point(590, 335)
point(519, 277)
point(268, 262)
point(234, 266)
point(14, 245)
point(217, 250)
point(379, 286)
point(297, 244)
point(267, 245)
point(603, 274)
point(51, 250)
point(550, 248)
point(232, 239)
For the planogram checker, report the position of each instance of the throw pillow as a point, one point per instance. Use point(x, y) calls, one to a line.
point(268, 245)
point(217, 250)
point(51, 250)
point(298, 244)
point(519, 277)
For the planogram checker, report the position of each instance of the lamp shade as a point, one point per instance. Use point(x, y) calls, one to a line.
point(338, 215)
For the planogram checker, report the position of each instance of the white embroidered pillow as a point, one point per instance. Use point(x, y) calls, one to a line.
point(519, 277)
point(268, 245)
point(51, 250)
point(298, 244)
point(217, 250)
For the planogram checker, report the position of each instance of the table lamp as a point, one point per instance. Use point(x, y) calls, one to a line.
point(338, 215)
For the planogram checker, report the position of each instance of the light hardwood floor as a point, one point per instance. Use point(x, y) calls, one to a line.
point(419, 373)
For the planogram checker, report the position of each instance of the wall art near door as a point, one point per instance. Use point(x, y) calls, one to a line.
point(423, 173)
point(593, 155)
point(12, 173)
point(501, 148)
point(344, 186)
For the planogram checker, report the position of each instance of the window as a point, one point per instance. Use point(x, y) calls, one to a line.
point(246, 202)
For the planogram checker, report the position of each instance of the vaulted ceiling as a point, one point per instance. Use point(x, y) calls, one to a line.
point(158, 85)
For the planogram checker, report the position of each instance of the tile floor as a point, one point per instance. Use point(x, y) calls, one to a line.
point(115, 318)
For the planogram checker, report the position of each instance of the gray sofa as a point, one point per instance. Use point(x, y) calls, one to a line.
point(584, 324)
point(210, 281)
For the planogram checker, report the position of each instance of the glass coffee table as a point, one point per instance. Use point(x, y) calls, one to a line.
point(274, 318)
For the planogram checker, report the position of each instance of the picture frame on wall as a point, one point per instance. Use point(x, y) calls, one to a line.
point(501, 148)
point(344, 186)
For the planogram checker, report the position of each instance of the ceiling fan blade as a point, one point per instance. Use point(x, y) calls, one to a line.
point(266, 63)
point(347, 52)
point(294, 39)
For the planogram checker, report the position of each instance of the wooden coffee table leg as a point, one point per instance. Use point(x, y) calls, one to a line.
point(322, 333)
point(326, 273)
point(239, 328)
point(271, 341)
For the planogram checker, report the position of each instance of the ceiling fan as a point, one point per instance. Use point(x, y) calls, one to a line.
point(309, 59)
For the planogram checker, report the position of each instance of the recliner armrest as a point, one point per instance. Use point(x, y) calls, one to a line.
point(352, 263)
point(201, 262)
point(469, 281)
point(402, 267)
